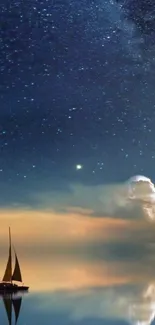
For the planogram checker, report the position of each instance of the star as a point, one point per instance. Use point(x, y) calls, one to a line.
point(78, 167)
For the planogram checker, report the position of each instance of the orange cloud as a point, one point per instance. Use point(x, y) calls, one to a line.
point(44, 230)
point(45, 227)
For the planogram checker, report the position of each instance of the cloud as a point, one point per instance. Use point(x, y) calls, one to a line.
point(48, 227)
point(133, 199)
point(77, 233)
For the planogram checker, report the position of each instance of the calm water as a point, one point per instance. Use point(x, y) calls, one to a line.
point(80, 269)
point(82, 291)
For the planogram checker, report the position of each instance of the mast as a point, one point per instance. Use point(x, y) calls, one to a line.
point(8, 271)
point(10, 252)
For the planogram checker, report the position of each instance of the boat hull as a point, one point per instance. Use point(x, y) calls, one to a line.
point(11, 288)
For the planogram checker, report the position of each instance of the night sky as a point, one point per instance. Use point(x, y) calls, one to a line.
point(77, 121)
point(76, 88)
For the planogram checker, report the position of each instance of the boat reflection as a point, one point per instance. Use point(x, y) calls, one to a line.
point(12, 304)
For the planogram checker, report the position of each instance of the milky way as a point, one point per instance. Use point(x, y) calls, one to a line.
point(77, 87)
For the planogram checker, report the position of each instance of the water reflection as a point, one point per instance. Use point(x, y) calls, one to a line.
point(83, 270)
point(12, 303)
point(142, 310)
point(110, 302)
point(129, 304)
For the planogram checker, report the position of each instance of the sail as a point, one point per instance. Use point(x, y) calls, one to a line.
point(8, 272)
point(8, 308)
point(16, 276)
point(17, 306)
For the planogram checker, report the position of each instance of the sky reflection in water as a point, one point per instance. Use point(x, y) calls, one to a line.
point(87, 292)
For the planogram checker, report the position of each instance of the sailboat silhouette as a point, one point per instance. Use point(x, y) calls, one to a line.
point(7, 284)
point(9, 302)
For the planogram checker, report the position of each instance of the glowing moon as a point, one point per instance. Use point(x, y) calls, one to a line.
point(142, 190)
point(141, 187)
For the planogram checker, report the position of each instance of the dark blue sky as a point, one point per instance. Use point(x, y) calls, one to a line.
point(76, 87)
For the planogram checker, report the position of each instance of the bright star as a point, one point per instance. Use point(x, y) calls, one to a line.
point(78, 167)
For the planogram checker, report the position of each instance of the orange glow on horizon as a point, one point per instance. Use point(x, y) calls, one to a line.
point(49, 226)
point(69, 274)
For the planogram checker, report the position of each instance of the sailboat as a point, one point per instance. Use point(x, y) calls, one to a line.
point(9, 302)
point(7, 284)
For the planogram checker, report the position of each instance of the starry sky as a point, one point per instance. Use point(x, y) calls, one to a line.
point(77, 100)
point(77, 116)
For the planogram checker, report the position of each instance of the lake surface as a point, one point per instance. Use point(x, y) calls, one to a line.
point(80, 269)
point(84, 291)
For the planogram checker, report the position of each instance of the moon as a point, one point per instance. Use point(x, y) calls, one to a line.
point(141, 187)
point(142, 190)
